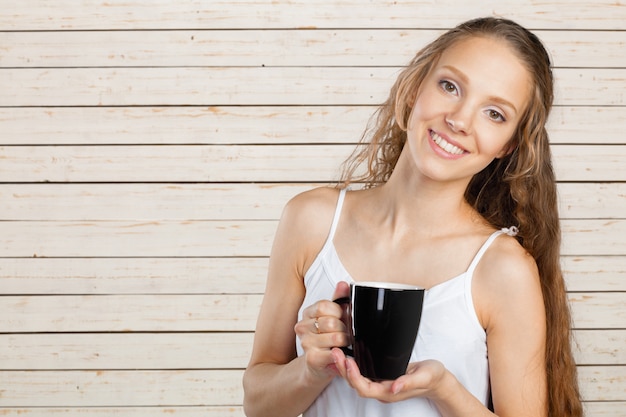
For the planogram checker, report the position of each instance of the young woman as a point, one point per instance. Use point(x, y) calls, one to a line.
point(460, 199)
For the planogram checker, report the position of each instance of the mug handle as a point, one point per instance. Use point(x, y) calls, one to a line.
point(344, 302)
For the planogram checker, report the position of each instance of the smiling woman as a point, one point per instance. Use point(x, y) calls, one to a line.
point(458, 163)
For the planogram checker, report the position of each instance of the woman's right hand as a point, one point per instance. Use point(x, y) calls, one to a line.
point(320, 330)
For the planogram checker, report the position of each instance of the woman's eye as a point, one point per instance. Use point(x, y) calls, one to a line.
point(495, 115)
point(448, 86)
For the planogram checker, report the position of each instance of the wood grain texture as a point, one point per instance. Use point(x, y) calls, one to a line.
point(270, 48)
point(147, 150)
point(238, 14)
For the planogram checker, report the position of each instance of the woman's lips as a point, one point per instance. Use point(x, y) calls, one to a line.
point(445, 145)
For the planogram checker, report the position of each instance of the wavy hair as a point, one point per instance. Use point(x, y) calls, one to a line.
point(518, 189)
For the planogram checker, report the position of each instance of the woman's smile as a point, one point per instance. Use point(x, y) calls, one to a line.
point(445, 145)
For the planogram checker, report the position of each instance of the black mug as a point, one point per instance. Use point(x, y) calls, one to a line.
point(382, 320)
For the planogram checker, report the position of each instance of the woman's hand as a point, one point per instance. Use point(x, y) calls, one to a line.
point(422, 379)
point(320, 330)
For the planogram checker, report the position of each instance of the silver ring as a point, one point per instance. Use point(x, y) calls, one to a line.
point(317, 326)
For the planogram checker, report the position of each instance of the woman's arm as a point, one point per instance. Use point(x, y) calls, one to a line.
point(277, 382)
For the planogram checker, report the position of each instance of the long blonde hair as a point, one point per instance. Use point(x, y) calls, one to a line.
point(519, 189)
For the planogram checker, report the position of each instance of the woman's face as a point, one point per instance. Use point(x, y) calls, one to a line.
point(467, 109)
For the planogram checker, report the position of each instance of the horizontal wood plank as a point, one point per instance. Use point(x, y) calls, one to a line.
point(211, 86)
point(148, 201)
point(163, 14)
point(76, 276)
point(595, 409)
point(190, 387)
point(154, 351)
point(222, 238)
point(121, 388)
point(133, 276)
point(241, 163)
point(600, 347)
point(251, 125)
point(186, 411)
point(89, 202)
point(594, 273)
point(177, 313)
point(598, 310)
point(360, 47)
point(126, 313)
point(602, 383)
point(126, 351)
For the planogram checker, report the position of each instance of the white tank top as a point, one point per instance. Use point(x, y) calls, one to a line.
point(449, 332)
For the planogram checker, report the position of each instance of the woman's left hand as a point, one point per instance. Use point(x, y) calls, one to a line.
point(422, 379)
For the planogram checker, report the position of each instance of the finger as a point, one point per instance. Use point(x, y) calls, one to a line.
point(340, 361)
point(366, 387)
point(342, 290)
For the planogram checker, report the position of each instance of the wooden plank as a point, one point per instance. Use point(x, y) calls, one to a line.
point(163, 14)
point(605, 409)
point(251, 125)
point(154, 351)
point(323, 47)
point(81, 276)
point(598, 310)
point(126, 313)
point(125, 351)
point(594, 273)
point(591, 200)
point(196, 125)
point(244, 163)
point(177, 313)
point(147, 201)
point(201, 163)
point(132, 239)
point(600, 347)
point(188, 388)
point(593, 237)
point(218, 86)
point(602, 383)
point(121, 388)
point(595, 409)
point(186, 411)
point(103, 201)
point(222, 238)
point(32, 276)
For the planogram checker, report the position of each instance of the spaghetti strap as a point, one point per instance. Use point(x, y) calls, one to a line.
point(333, 227)
point(511, 231)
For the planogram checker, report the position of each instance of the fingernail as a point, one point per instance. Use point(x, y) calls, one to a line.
point(397, 388)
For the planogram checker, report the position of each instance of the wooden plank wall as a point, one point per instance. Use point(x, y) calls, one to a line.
point(146, 151)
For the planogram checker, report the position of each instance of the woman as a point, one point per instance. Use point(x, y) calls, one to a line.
point(460, 199)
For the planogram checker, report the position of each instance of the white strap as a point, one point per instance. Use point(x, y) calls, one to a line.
point(333, 227)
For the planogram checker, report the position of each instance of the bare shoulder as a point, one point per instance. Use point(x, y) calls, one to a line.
point(312, 209)
point(506, 278)
point(305, 223)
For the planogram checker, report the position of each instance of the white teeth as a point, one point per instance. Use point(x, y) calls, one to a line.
point(445, 145)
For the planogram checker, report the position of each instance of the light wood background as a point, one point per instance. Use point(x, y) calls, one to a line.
point(146, 151)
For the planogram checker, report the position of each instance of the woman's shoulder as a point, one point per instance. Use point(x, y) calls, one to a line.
point(312, 207)
point(506, 276)
point(507, 257)
point(306, 222)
